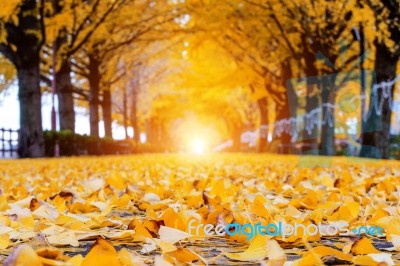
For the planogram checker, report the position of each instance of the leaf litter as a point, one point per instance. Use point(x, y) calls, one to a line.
point(135, 210)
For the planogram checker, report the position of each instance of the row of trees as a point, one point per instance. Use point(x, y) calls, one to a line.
point(326, 43)
point(79, 49)
point(233, 62)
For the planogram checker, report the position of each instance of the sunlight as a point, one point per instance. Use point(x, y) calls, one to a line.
point(198, 146)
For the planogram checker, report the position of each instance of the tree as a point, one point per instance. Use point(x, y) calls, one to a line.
point(100, 59)
point(22, 36)
point(376, 130)
point(251, 44)
point(70, 27)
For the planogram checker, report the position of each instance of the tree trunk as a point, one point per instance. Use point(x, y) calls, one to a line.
point(287, 109)
point(31, 142)
point(283, 113)
point(311, 123)
point(328, 96)
point(150, 131)
point(94, 84)
point(262, 105)
point(63, 76)
point(26, 37)
point(65, 97)
point(106, 105)
point(376, 130)
point(125, 112)
point(134, 117)
point(237, 130)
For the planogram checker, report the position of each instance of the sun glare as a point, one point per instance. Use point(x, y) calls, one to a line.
point(198, 146)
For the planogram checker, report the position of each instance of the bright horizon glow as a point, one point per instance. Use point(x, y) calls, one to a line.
point(198, 146)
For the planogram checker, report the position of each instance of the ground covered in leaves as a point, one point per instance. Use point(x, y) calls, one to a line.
point(135, 210)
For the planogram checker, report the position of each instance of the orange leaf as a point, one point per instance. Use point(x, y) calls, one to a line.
point(102, 253)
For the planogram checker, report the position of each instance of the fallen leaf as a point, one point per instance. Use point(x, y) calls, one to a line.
point(171, 235)
point(257, 250)
point(363, 246)
point(101, 253)
point(23, 255)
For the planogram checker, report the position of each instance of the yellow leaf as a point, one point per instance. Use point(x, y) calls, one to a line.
point(391, 224)
point(164, 246)
point(374, 259)
point(346, 212)
point(256, 251)
point(184, 255)
point(49, 253)
point(258, 207)
point(314, 256)
point(4, 241)
point(22, 255)
point(65, 238)
point(102, 253)
point(171, 235)
point(363, 246)
point(76, 260)
point(162, 261)
point(128, 259)
point(116, 181)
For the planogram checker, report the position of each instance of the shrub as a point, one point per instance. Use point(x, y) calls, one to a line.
point(70, 144)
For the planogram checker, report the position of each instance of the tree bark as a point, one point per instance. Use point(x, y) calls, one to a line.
point(150, 131)
point(287, 107)
point(375, 136)
point(134, 117)
point(106, 105)
point(31, 142)
point(63, 76)
point(236, 129)
point(328, 115)
point(94, 84)
point(310, 135)
point(125, 112)
point(26, 59)
point(264, 122)
point(65, 97)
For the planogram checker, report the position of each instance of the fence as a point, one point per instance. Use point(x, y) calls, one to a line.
point(8, 143)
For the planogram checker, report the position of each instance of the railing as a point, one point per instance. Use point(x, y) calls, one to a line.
point(8, 143)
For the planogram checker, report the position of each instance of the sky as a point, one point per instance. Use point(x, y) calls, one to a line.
point(9, 115)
